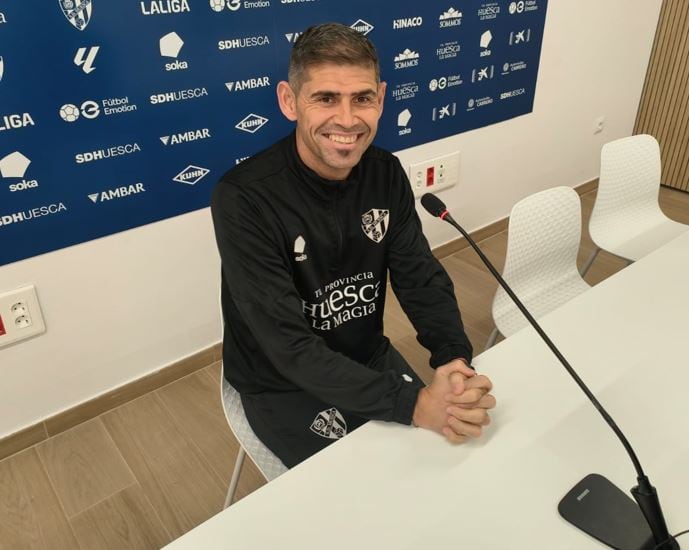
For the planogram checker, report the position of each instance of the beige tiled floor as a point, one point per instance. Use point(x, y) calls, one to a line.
point(150, 470)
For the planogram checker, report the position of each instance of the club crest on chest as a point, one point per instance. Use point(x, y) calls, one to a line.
point(375, 224)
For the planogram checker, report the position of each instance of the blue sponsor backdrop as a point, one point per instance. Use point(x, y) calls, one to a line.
point(118, 114)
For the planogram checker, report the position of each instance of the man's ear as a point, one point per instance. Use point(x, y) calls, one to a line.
point(287, 100)
point(381, 95)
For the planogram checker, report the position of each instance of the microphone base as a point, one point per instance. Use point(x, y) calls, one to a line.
point(599, 508)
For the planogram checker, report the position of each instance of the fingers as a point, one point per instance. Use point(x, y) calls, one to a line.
point(479, 381)
point(474, 389)
point(479, 417)
point(457, 382)
point(453, 437)
point(464, 429)
point(457, 365)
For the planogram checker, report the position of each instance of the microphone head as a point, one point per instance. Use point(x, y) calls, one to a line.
point(433, 205)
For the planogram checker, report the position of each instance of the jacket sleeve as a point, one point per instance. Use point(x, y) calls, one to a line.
point(258, 275)
point(421, 284)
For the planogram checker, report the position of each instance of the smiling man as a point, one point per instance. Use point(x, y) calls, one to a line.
point(308, 231)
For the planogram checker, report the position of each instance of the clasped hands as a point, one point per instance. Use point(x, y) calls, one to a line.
point(456, 402)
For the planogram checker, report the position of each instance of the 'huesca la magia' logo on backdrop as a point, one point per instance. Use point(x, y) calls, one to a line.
point(77, 12)
point(375, 224)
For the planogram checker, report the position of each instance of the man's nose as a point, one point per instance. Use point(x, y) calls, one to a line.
point(345, 115)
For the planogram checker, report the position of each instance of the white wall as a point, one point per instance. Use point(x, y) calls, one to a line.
point(123, 306)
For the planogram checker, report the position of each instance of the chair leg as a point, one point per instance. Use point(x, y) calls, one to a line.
point(492, 338)
point(588, 263)
point(235, 477)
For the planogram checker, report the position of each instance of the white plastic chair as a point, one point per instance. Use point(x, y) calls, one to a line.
point(268, 464)
point(626, 219)
point(541, 263)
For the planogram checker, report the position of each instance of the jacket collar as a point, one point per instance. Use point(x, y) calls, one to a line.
point(323, 188)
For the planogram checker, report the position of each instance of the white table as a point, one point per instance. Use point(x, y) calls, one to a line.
point(391, 486)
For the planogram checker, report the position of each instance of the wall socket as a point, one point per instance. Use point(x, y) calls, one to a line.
point(434, 174)
point(20, 315)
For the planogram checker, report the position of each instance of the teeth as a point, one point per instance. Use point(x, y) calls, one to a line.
point(342, 139)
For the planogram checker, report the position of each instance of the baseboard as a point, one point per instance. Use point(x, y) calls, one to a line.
point(65, 420)
point(460, 243)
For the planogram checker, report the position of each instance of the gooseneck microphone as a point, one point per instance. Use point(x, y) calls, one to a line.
point(592, 499)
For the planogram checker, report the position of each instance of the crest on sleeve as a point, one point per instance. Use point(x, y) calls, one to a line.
point(375, 224)
point(77, 12)
point(330, 424)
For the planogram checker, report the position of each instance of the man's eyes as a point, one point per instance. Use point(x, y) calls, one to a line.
point(360, 100)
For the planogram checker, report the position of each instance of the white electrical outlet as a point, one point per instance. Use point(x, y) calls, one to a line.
point(20, 315)
point(435, 174)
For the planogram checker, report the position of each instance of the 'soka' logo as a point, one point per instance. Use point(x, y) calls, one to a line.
point(170, 46)
point(15, 165)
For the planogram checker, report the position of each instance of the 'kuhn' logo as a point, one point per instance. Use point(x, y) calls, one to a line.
point(191, 175)
point(251, 123)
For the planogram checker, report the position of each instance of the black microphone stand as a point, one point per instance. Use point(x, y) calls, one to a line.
point(644, 493)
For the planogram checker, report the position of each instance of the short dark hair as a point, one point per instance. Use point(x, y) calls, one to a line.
point(330, 43)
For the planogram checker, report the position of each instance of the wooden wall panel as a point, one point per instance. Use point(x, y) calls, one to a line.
point(664, 107)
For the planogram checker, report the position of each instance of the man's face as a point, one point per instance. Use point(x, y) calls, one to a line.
point(337, 110)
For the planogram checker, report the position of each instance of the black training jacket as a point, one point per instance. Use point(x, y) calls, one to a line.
point(304, 271)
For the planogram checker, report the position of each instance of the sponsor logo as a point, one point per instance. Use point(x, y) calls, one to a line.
point(245, 42)
point(110, 152)
point(32, 214)
point(329, 424)
point(15, 165)
point(2, 67)
point(251, 123)
point(299, 247)
point(191, 175)
point(511, 67)
point(406, 59)
point(292, 36)
point(478, 103)
point(234, 5)
point(342, 300)
point(295, 1)
point(522, 6)
point(248, 84)
point(375, 224)
point(15, 121)
point(186, 137)
point(448, 50)
point(444, 82)
point(85, 57)
point(486, 39)
point(77, 12)
point(170, 45)
point(164, 7)
point(2, 18)
point(488, 10)
point(450, 18)
point(91, 109)
point(362, 26)
point(484, 73)
point(445, 111)
point(408, 90)
point(117, 193)
point(407, 23)
point(512, 93)
point(403, 122)
point(520, 37)
point(241, 159)
point(179, 95)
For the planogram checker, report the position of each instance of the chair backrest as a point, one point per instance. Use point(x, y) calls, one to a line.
point(541, 262)
point(628, 188)
point(269, 464)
